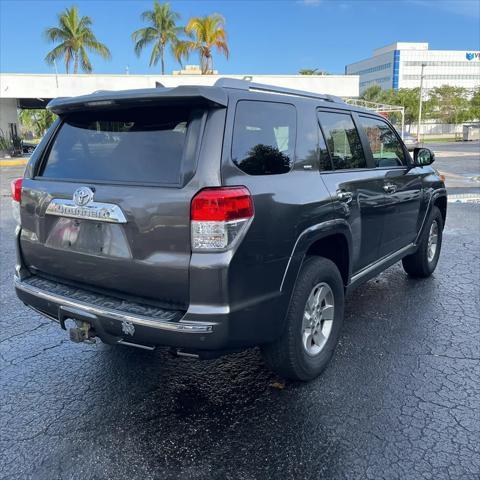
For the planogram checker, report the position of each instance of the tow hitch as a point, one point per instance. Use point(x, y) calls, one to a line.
point(82, 333)
point(87, 326)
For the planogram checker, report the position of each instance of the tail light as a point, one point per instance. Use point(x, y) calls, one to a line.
point(16, 187)
point(218, 216)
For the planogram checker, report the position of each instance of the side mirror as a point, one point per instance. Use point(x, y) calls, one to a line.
point(422, 157)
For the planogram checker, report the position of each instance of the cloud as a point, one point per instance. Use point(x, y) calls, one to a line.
point(310, 3)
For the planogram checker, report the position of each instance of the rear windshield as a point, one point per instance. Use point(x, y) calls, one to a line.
point(139, 145)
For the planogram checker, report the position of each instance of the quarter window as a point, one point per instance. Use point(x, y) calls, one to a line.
point(342, 140)
point(386, 148)
point(264, 137)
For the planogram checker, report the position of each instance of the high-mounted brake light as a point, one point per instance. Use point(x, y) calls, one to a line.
point(16, 187)
point(218, 216)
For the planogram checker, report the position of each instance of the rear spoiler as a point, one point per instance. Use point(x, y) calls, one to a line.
point(215, 96)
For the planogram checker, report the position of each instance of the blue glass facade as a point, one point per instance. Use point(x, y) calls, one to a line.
point(396, 68)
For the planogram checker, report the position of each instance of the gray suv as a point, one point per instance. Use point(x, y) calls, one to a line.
point(212, 219)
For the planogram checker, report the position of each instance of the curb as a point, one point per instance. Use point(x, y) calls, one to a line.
point(13, 163)
point(464, 198)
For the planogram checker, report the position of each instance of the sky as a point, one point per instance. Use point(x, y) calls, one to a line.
point(265, 37)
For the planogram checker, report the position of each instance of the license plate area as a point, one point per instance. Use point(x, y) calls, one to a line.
point(89, 237)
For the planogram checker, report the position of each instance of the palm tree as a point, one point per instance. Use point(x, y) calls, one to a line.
point(312, 71)
point(76, 38)
point(308, 71)
point(206, 33)
point(161, 32)
point(37, 121)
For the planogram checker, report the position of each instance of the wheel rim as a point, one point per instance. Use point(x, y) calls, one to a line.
point(318, 318)
point(432, 241)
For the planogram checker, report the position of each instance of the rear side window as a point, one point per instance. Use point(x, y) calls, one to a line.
point(342, 140)
point(264, 137)
point(138, 145)
point(386, 148)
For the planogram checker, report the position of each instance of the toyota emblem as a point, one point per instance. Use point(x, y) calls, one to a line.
point(82, 196)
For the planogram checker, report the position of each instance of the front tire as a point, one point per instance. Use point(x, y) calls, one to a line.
point(423, 262)
point(313, 322)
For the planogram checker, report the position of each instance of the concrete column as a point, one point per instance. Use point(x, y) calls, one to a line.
point(8, 114)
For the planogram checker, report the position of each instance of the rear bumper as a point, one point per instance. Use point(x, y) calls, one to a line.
point(115, 325)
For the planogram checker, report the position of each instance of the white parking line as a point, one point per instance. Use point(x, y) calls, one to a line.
point(464, 198)
point(442, 154)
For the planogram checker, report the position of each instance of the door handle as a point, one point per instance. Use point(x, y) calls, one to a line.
point(344, 196)
point(390, 188)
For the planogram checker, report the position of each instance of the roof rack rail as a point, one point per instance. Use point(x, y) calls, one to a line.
point(247, 85)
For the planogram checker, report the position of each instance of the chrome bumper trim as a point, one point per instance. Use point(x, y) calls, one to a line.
point(180, 326)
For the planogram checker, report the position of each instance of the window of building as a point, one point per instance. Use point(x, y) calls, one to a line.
point(375, 81)
point(386, 148)
point(442, 77)
point(264, 137)
point(440, 63)
point(342, 139)
point(377, 68)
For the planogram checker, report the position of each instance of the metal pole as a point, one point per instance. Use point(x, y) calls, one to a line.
point(403, 123)
point(56, 71)
point(420, 104)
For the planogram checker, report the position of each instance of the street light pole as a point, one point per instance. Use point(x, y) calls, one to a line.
point(56, 71)
point(420, 104)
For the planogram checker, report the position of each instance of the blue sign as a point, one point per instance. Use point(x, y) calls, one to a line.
point(472, 56)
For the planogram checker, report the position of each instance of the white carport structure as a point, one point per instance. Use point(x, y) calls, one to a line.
point(19, 90)
point(382, 108)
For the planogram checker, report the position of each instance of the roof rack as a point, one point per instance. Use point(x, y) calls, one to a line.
point(247, 85)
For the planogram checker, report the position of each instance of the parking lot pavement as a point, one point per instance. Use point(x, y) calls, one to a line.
point(400, 400)
point(459, 162)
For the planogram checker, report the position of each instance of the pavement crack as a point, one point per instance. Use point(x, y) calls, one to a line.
point(6, 339)
point(44, 350)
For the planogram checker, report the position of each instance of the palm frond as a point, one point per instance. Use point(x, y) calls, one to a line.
point(56, 53)
point(155, 55)
point(97, 47)
point(54, 33)
point(182, 49)
point(85, 61)
point(142, 38)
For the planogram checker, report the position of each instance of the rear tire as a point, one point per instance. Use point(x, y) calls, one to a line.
point(313, 323)
point(423, 262)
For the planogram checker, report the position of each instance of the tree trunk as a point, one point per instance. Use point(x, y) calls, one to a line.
point(162, 58)
point(75, 64)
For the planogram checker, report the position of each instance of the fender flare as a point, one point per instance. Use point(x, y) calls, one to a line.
point(434, 195)
point(306, 239)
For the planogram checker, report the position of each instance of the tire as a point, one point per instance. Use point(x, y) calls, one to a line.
point(295, 355)
point(422, 264)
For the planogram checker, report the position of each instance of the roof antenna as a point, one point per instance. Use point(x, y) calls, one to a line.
point(159, 85)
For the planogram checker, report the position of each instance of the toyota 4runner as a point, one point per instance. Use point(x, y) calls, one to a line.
point(211, 219)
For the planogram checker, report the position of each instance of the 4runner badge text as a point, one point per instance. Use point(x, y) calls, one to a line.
point(83, 206)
